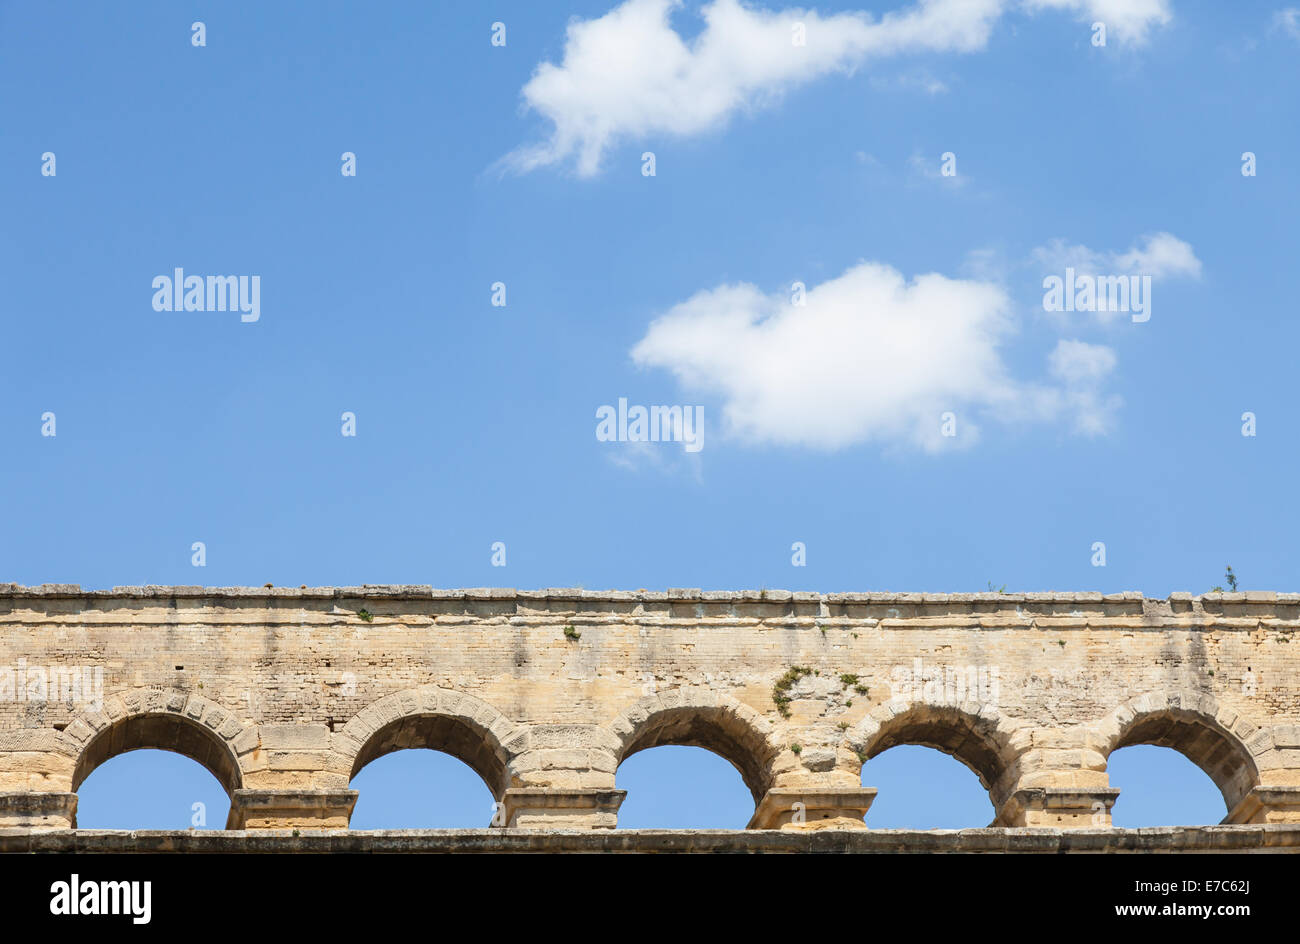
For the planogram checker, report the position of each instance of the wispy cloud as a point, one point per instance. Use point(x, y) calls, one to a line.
point(1081, 369)
point(922, 167)
point(628, 75)
point(660, 458)
point(1129, 20)
point(917, 80)
point(1158, 255)
point(1288, 21)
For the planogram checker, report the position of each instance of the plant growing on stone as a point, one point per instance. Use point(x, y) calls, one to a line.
point(1230, 579)
point(365, 615)
point(781, 690)
point(571, 633)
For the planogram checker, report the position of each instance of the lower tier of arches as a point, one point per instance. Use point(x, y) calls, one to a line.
point(562, 775)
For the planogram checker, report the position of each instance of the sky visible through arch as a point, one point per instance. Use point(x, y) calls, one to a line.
point(912, 417)
point(667, 788)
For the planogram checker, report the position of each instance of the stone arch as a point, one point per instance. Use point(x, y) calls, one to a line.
point(972, 733)
point(1214, 738)
point(701, 717)
point(458, 724)
point(162, 719)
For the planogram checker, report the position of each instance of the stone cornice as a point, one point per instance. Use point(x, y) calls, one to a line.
point(394, 601)
point(673, 594)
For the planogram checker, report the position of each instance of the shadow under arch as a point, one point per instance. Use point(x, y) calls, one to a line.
point(461, 725)
point(1190, 726)
point(164, 732)
point(972, 737)
point(702, 718)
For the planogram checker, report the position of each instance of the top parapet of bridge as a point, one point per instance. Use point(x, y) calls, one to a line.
point(398, 592)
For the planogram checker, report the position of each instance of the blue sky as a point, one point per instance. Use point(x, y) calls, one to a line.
point(820, 164)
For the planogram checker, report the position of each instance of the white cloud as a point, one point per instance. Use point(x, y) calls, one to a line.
point(869, 357)
point(1129, 20)
point(630, 75)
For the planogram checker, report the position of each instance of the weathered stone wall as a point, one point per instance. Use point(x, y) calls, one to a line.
point(285, 694)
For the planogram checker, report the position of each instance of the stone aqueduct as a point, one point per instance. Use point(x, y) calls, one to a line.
point(285, 694)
